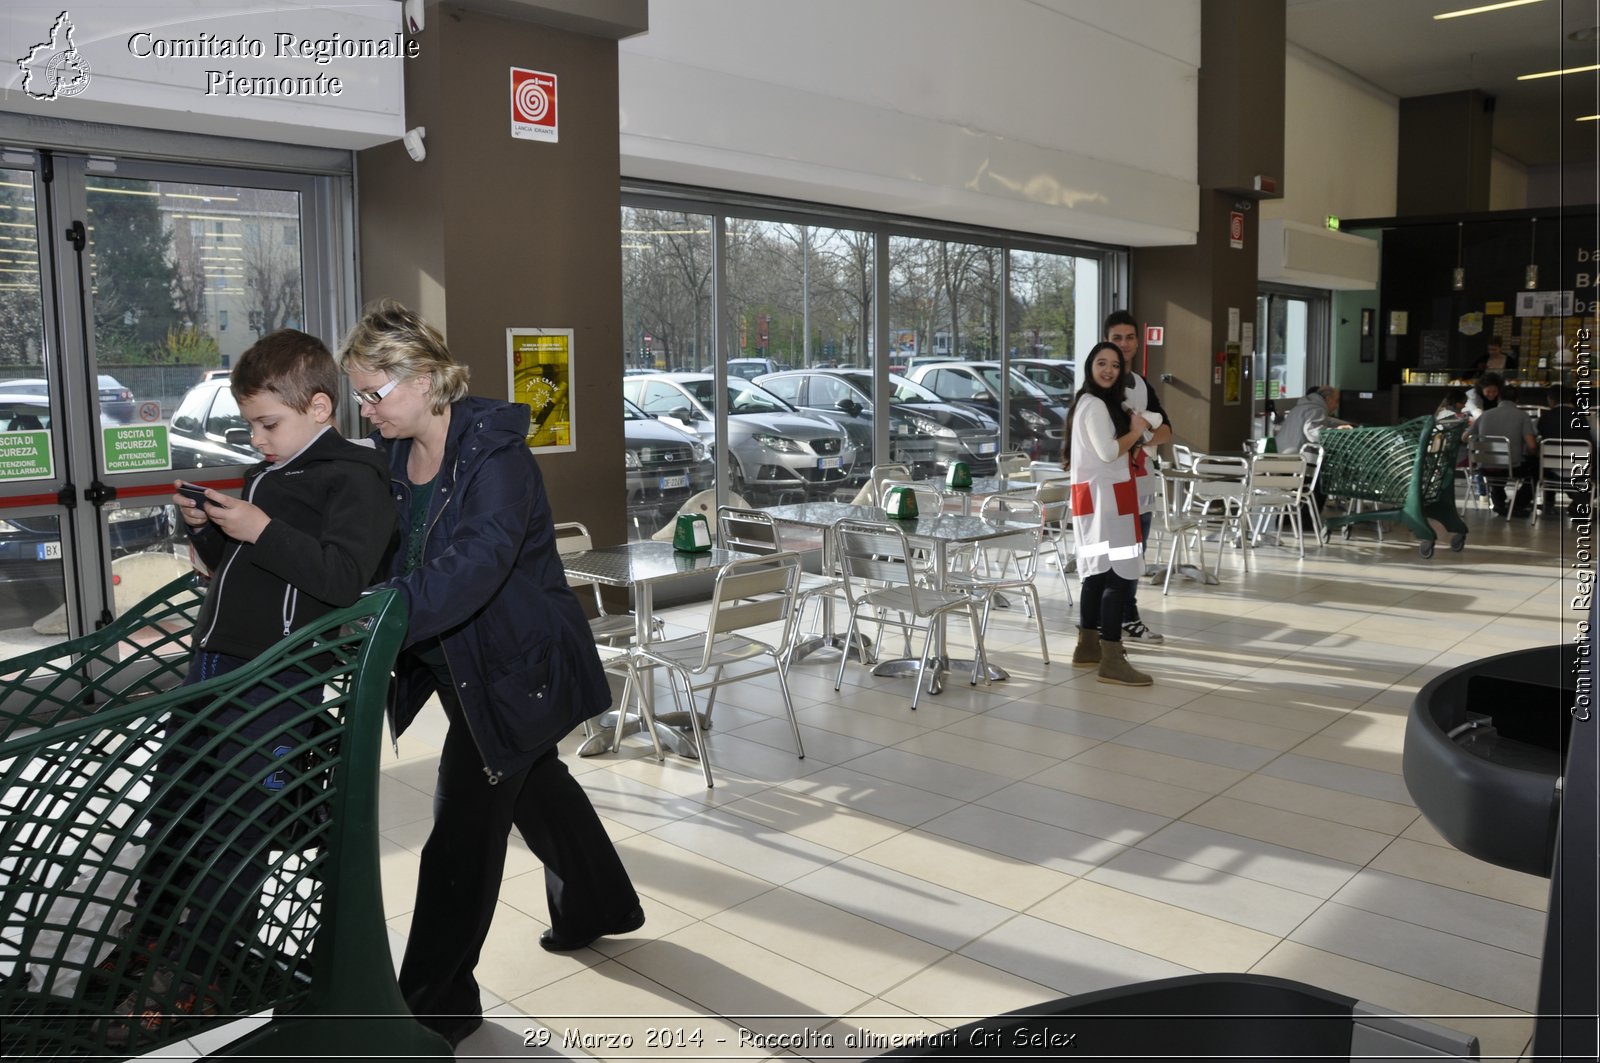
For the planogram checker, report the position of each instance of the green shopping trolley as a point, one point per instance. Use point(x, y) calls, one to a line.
point(1406, 471)
point(86, 816)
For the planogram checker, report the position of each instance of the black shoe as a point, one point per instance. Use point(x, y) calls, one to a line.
point(551, 942)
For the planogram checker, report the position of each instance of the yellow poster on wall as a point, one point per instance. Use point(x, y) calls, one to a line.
point(1232, 375)
point(540, 365)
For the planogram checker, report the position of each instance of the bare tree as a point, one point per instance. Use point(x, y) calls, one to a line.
point(271, 274)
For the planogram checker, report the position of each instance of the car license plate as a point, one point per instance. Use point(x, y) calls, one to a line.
point(669, 482)
point(49, 551)
point(830, 463)
point(988, 448)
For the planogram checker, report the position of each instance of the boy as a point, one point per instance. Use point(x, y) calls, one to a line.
point(305, 539)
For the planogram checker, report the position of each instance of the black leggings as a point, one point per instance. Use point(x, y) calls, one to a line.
point(1106, 597)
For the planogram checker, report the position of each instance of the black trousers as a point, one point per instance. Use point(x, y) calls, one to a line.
point(587, 887)
point(1105, 599)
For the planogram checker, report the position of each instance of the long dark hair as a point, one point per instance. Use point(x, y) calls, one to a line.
point(1112, 396)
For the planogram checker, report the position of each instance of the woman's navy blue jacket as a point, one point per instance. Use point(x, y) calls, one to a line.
point(492, 589)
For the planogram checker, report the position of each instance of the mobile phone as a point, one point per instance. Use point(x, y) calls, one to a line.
point(193, 492)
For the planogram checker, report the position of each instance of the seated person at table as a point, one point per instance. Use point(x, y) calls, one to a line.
point(1305, 424)
point(1562, 420)
point(1509, 422)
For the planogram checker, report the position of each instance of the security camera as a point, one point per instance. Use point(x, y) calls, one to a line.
point(413, 142)
point(415, 19)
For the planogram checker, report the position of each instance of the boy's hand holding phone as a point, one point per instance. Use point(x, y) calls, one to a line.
point(236, 518)
point(191, 500)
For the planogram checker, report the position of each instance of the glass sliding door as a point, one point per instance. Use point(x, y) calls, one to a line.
point(128, 289)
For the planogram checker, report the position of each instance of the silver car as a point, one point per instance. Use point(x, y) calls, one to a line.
point(773, 448)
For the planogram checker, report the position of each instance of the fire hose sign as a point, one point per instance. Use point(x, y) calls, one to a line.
point(533, 105)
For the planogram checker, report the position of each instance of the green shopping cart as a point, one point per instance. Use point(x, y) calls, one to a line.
point(85, 817)
point(1406, 471)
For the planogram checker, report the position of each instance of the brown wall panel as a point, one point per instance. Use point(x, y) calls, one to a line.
point(491, 232)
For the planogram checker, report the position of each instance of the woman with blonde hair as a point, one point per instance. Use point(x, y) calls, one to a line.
point(496, 632)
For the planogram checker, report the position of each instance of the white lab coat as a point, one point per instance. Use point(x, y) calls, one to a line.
point(1105, 503)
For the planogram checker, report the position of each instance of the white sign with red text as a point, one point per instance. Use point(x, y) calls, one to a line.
point(533, 105)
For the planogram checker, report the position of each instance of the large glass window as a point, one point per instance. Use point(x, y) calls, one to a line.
point(801, 301)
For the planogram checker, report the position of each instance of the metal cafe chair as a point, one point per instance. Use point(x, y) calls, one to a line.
point(1557, 460)
point(1277, 490)
point(749, 594)
point(609, 628)
point(1008, 562)
point(1178, 525)
point(1055, 501)
point(753, 531)
point(1217, 496)
point(880, 579)
point(1491, 461)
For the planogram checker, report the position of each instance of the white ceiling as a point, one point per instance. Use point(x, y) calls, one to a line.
point(1399, 47)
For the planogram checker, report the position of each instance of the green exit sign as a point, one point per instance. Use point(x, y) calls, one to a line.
point(1333, 221)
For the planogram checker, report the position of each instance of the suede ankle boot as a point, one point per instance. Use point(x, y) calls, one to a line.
point(1087, 653)
point(1114, 667)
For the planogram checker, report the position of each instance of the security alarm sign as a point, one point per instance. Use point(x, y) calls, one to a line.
point(533, 105)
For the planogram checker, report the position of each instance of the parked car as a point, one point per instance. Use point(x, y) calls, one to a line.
point(750, 368)
point(665, 465)
point(773, 448)
point(116, 402)
point(1037, 423)
point(201, 425)
point(1054, 376)
point(925, 432)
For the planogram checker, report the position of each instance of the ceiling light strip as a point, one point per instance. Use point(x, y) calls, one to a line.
point(1484, 8)
point(1558, 73)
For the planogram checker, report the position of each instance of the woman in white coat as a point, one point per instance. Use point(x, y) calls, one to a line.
point(1105, 513)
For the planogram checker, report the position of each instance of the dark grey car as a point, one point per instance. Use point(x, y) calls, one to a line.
point(774, 449)
point(925, 432)
point(665, 465)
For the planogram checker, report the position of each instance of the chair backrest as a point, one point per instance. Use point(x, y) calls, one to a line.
point(1312, 452)
point(1055, 501)
point(573, 537)
point(1222, 478)
point(1278, 473)
point(889, 470)
point(873, 552)
point(754, 591)
point(749, 530)
point(1010, 462)
point(1558, 458)
point(1182, 456)
point(1490, 452)
point(1045, 471)
point(1020, 549)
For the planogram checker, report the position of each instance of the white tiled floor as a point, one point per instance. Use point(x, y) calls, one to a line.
point(1050, 835)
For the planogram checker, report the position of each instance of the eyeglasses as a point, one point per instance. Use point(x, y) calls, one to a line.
point(372, 398)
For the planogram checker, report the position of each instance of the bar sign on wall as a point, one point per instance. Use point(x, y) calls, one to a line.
point(533, 105)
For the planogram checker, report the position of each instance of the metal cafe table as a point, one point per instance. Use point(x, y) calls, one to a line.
point(937, 530)
point(643, 566)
